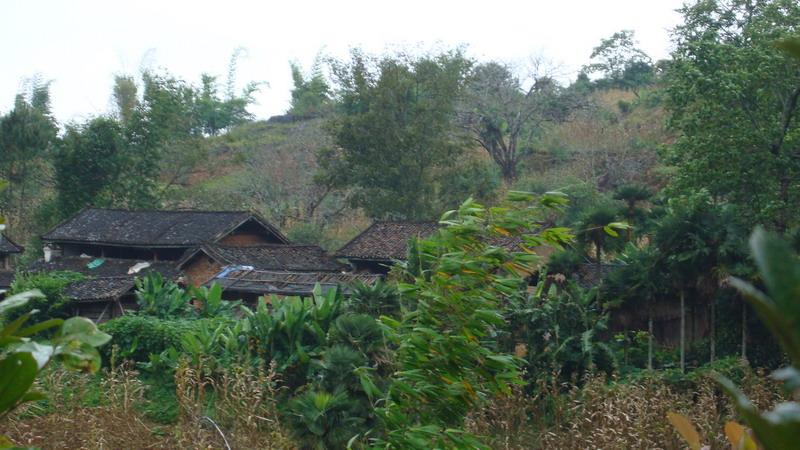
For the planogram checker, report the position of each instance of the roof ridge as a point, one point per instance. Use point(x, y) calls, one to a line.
point(266, 245)
point(153, 210)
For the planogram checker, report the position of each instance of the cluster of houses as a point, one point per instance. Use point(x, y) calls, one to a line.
point(247, 256)
point(239, 250)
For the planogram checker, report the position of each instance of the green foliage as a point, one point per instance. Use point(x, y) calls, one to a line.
point(394, 132)
point(27, 133)
point(780, 271)
point(733, 97)
point(53, 303)
point(594, 232)
point(620, 63)
point(381, 298)
point(447, 363)
point(565, 262)
point(322, 420)
point(211, 303)
point(311, 96)
point(293, 331)
point(360, 332)
point(563, 334)
point(138, 336)
point(74, 344)
point(163, 298)
point(95, 164)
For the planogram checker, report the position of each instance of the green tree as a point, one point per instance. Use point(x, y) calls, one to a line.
point(125, 97)
point(95, 165)
point(395, 131)
point(621, 63)
point(27, 134)
point(447, 359)
point(311, 95)
point(735, 101)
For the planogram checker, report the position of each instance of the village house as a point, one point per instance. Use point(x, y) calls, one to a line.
point(375, 249)
point(8, 251)
point(155, 235)
point(113, 247)
point(272, 269)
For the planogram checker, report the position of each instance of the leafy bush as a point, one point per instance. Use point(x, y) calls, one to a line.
point(53, 303)
point(446, 357)
point(161, 298)
point(293, 331)
point(381, 298)
point(138, 336)
point(74, 344)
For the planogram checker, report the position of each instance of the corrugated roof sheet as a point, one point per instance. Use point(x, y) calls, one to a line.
point(151, 228)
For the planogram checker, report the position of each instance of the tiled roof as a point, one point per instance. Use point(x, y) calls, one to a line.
point(105, 281)
point(271, 257)
point(103, 288)
point(109, 267)
point(263, 282)
point(386, 241)
point(152, 228)
point(8, 246)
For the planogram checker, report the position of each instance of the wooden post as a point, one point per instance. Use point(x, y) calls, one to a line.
point(744, 330)
point(683, 332)
point(650, 339)
point(713, 330)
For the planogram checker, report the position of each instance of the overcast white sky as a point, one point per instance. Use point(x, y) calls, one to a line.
point(80, 45)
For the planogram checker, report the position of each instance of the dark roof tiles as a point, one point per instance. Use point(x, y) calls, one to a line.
point(104, 288)
point(386, 241)
point(110, 267)
point(151, 228)
point(263, 282)
point(8, 246)
point(273, 257)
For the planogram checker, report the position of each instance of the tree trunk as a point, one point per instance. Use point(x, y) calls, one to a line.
point(744, 330)
point(508, 170)
point(713, 332)
point(683, 332)
point(650, 339)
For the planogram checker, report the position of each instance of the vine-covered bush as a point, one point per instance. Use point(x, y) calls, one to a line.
point(138, 336)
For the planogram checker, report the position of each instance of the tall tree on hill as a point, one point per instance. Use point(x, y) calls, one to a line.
point(621, 63)
point(125, 97)
point(26, 135)
point(96, 165)
point(311, 94)
point(735, 100)
point(395, 131)
point(504, 113)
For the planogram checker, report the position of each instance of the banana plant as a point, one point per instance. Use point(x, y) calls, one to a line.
point(211, 303)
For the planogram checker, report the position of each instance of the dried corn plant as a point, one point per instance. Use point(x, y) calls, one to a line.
point(606, 414)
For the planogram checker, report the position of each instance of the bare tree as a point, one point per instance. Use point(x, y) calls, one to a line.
point(505, 112)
